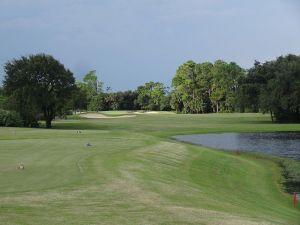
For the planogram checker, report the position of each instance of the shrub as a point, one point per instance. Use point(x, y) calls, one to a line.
point(10, 119)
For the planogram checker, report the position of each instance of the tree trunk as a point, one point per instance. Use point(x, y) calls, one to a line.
point(48, 123)
point(272, 118)
point(48, 115)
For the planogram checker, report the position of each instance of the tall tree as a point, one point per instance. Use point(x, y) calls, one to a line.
point(274, 87)
point(224, 85)
point(38, 83)
point(93, 87)
point(185, 85)
point(151, 95)
point(92, 84)
point(79, 98)
point(127, 100)
point(2, 98)
point(204, 80)
point(176, 101)
point(250, 87)
point(205, 87)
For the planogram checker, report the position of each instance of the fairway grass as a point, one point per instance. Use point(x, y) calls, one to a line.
point(134, 173)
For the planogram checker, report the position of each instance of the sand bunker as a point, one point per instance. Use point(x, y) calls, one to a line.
point(146, 112)
point(101, 116)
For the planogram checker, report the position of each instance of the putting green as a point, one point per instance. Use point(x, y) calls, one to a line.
point(133, 173)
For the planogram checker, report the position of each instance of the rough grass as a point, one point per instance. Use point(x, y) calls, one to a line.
point(134, 174)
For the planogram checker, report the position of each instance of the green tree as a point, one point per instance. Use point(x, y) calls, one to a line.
point(186, 90)
point(281, 95)
point(192, 88)
point(176, 101)
point(225, 77)
point(250, 86)
point(79, 98)
point(151, 95)
point(274, 87)
point(2, 98)
point(37, 84)
point(128, 100)
point(93, 87)
point(92, 84)
point(205, 87)
point(113, 100)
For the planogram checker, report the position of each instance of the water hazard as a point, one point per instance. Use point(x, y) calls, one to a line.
point(286, 144)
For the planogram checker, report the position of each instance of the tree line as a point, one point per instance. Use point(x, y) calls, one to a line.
point(272, 87)
point(206, 87)
point(89, 95)
point(38, 87)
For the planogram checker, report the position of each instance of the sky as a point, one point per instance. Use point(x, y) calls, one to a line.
point(130, 42)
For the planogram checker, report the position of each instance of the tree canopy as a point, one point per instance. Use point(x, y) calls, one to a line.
point(37, 84)
point(274, 87)
point(91, 87)
point(205, 87)
point(151, 96)
point(2, 98)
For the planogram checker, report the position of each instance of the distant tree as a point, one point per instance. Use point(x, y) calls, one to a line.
point(165, 103)
point(2, 98)
point(224, 85)
point(274, 87)
point(37, 83)
point(157, 96)
point(250, 86)
point(93, 87)
point(176, 101)
point(205, 87)
point(186, 88)
point(151, 95)
point(128, 100)
point(144, 97)
point(102, 103)
point(282, 93)
point(113, 101)
point(79, 98)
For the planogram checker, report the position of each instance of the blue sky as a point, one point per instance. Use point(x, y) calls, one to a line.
point(130, 42)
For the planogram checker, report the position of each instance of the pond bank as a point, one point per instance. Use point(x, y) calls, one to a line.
point(282, 147)
point(283, 144)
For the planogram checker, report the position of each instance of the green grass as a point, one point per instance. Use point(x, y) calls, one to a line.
point(135, 174)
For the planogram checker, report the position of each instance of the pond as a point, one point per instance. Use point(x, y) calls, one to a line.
point(286, 144)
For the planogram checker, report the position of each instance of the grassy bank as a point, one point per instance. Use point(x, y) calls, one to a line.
point(133, 173)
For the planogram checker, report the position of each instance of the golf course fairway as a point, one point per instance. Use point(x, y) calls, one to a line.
point(130, 171)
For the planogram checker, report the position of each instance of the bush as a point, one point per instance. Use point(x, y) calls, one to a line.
point(10, 119)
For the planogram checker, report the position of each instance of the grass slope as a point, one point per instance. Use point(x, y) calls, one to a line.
point(135, 174)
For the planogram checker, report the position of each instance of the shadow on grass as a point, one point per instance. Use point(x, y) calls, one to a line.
point(257, 122)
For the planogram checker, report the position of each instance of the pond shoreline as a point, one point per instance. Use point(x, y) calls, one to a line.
point(282, 144)
point(290, 167)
